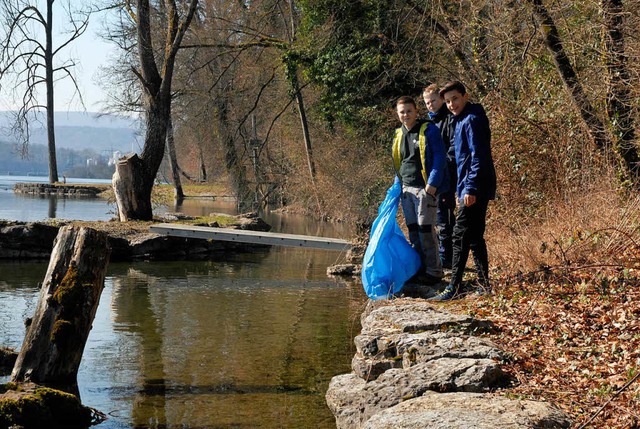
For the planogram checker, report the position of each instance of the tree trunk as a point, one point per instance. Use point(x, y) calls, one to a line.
point(203, 168)
point(69, 297)
point(48, 60)
point(132, 198)
point(233, 161)
point(554, 44)
point(134, 178)
point(619, 99)
point(307, 138)
point(173, 160)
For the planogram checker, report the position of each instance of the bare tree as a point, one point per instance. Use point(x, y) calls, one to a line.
point(619, 107)
point(27, 54)
point(239, 46)
point(619, 98)
point(135, 175)
point(173, 161)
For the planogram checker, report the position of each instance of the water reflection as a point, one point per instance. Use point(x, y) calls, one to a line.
point(248, 341)
point(53, 205)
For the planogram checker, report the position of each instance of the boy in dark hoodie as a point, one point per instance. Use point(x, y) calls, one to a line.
point(476, 186)
point(441, 116)
point(420, 162)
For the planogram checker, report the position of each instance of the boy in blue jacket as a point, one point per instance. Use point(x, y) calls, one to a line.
point(441, 116)
point(475, 188)
point(420, 163)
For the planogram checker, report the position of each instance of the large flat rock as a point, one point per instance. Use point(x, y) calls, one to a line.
point(468, 411)
point(34, 240)
point(353, 401)
point(376, 354)
point(415, 316)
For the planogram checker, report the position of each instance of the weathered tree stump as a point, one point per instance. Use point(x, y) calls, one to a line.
point(69, 297)
point(132, 196)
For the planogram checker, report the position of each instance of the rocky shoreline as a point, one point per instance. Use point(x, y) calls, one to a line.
point(418, 366)
point(128, 241)
point(79, 191)
point(415, 366)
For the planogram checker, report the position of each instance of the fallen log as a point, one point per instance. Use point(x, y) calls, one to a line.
point(69, 297)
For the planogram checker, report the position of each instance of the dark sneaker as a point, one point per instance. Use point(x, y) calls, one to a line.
point(482, 290)
point(449, 293)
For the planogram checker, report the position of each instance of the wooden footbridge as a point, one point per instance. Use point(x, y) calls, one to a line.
point(246, 236)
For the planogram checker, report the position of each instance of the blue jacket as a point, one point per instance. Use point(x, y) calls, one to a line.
point(442, 118)
point(472, 143)
point(432, 155)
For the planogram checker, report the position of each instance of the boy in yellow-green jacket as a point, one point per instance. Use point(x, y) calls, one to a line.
point(420, 162)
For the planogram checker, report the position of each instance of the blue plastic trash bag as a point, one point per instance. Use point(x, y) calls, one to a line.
point(389, 260)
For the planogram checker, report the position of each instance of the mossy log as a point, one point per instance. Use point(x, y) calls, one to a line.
point(69, 297)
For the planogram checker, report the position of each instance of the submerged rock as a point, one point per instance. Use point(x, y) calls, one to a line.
point(343, 270)
point(7, 360)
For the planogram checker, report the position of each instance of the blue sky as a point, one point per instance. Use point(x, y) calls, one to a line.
point(91, 53)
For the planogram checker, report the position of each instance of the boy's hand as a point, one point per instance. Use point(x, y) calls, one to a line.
point(431, 190)
point(469, 200)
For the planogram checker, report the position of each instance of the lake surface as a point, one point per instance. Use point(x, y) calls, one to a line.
point(245, 341)
point(40, 207)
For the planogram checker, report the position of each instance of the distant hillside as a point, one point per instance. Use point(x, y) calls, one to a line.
point(80, 130)
point(71, 163)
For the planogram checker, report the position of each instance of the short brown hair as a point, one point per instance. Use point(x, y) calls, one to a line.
point(431, 89)
point(454, 85)
point(406, 99)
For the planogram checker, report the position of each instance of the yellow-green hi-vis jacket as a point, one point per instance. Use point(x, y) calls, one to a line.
point(397, 144)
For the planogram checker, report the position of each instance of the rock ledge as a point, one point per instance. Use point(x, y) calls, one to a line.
point(417, 366)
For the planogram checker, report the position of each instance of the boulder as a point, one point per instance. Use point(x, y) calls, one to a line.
point(7, 360)
point(353, 401)
point(414, 367)
point(468, 411)
point(385, 318)
point(19, 240)
point(376, 354)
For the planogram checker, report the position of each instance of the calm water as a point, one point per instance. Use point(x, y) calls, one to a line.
point(247, 341)
point(34, 208)
point(40, 207)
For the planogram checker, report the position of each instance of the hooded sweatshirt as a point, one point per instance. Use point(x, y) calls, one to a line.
point(472, 143)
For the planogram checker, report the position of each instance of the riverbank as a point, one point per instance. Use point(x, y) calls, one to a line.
point(130, 241)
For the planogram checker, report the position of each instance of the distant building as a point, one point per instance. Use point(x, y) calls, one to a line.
point(115, 157)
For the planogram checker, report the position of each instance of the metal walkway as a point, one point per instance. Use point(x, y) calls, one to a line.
point(245, 236)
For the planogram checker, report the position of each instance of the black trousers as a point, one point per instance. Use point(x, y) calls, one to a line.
point(446, 220)
point(468, 235)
